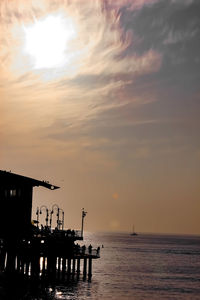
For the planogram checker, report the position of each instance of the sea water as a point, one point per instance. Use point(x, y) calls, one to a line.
point(146, 266)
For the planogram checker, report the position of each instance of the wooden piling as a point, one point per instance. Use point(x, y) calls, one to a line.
point(51, 265)
point(78, 266)
point(18, 263)
point(27, 267)
point(74, 266)
point(59, 266)
point(2, 259)
point(63, 267)
point(22, 265)
point(10, 265)
point(84, 266)
point(43, 265)
point(90, 268)
point(69, 266)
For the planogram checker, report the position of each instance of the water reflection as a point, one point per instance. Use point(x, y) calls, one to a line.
point(15, 287)
point(146, 267)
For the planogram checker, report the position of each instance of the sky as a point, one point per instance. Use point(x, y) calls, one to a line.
point(102, 98)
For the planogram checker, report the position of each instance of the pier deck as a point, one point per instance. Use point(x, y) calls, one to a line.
point(47, 254)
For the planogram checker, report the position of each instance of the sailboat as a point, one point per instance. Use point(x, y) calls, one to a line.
point(133, 232)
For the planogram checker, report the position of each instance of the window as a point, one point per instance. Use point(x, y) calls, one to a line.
point(13, 193)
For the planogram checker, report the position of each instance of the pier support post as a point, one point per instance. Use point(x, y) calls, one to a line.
point(63, 267)
point(27, 267)
point(18, 262)
point(90, 268)
point(78, 266)
point(74, 266)
point(43, 265)
point(10, 265)
point(54, 261)
point(22, 265)
point(35, 258)
point(2, 259)
point(35, 266)
point(59, 266)
point(85, 267)
point(69, 266)
point(51, 265)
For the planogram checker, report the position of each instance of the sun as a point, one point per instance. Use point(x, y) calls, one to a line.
point(46, 41)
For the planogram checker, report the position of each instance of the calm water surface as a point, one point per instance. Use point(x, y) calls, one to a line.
point(134, 267)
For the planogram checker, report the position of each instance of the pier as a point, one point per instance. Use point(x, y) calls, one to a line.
point(37, 250)
point(49, 255)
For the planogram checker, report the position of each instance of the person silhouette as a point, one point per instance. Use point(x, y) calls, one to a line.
point(90, 248)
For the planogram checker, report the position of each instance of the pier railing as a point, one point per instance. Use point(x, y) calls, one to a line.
point(47, 231)
point(93, 252)
point(87, 251)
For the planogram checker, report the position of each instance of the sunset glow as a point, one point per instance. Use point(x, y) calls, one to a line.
point(46, 41)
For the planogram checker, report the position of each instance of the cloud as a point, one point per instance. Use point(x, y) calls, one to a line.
point(121, 62)
point(131, 5)
point(180, 36)
point(100, 40)
point(86, 88)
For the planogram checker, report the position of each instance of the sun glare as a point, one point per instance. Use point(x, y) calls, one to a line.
point(46, 41)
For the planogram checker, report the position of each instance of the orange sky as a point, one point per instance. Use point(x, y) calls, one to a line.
point(102, 99)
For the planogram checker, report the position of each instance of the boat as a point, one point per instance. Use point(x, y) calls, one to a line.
point(133, 232)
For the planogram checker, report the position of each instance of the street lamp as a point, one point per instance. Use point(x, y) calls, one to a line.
point(63, 216)
point(37, 214)
point(47, 213)
point(55, 206)
point(83, 216)
point(61, 222)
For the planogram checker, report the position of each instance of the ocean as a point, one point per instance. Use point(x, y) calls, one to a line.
point(146, 266)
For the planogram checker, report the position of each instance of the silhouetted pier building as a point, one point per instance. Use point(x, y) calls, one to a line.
point(33, 249)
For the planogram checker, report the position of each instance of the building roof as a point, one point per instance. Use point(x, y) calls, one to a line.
point(11, 178)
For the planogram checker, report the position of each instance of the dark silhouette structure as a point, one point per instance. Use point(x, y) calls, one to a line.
point(16, 203)
point(33, 249)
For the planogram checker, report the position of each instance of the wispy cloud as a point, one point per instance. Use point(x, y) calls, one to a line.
point(121, 61)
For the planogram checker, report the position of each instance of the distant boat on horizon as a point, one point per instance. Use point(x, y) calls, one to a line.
point(133, 232)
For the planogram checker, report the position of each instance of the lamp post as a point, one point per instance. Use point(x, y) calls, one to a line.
point(37, 214)
point(50, 221)
point(63, 216)
point(55, 206)
point(83, 216)
point(47, 213)
point(61, 222)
